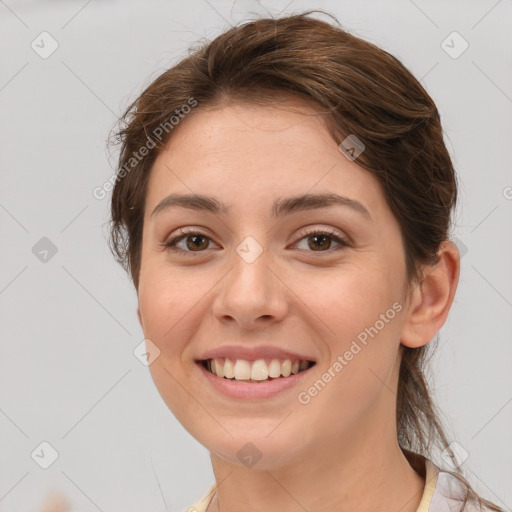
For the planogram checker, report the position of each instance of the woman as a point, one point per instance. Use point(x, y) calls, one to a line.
point(283, 205)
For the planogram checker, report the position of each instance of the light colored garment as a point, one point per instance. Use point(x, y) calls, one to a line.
point(439, 494)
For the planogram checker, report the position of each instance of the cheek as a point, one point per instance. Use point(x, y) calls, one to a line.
point(169, 303)
point(349, 300)
point(358, 314)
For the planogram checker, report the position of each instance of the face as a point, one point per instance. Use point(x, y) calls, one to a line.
point(305, 280)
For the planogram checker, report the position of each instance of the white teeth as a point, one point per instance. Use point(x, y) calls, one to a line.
point(259, 370)
point(242, 370)
point(229, 371)
point(274, 369)
point(286, 368)
point(218, 368)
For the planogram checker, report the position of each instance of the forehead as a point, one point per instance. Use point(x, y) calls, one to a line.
point(253, 154)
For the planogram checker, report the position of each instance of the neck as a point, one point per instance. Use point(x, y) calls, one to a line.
point(366, 475)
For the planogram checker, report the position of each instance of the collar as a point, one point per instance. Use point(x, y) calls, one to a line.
point(431, 480)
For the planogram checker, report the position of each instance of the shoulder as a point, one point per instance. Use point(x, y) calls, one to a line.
point(475, 507)
point(449, 495)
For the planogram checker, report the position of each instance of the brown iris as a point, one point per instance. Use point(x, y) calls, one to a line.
point(316, 237)
point(193, 245)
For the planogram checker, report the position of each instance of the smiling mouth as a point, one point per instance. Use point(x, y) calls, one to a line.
point(260, 370)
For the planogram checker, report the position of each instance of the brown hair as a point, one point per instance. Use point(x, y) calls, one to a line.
point(358, 89)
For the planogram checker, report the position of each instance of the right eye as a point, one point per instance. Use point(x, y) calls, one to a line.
point(197, 241)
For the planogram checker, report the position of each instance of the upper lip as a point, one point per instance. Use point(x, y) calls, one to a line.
point(252, 354)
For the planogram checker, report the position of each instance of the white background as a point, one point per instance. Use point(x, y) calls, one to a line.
point(68, 326)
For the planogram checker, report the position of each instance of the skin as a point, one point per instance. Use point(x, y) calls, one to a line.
point(339, 451)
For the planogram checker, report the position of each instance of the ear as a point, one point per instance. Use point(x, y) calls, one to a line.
point(139, 316)
point(431, 300)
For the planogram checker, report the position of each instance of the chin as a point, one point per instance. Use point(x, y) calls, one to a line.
point(256, 449)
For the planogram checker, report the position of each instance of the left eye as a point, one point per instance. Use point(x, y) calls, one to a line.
point(199, 241)
point(321, 236)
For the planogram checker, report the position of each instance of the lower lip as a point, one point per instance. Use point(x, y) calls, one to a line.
point(247, 390)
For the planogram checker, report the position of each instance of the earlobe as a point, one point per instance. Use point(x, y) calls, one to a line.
point(432, 299)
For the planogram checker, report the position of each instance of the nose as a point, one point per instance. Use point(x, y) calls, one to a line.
point(252, 295)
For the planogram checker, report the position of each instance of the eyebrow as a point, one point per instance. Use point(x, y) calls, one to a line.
point(280, 208)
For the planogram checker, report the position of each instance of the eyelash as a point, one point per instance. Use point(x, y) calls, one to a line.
point(171, 244)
